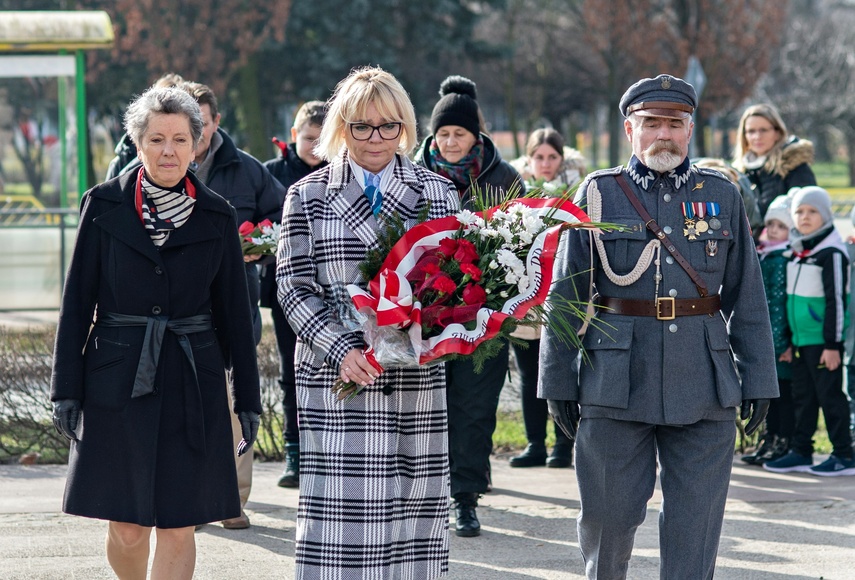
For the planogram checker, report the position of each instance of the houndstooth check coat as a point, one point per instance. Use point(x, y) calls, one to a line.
point(374, 478)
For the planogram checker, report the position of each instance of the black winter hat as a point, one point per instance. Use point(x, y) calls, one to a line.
point(458, 106)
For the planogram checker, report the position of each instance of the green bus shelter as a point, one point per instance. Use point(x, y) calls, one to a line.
point(43, 147)
point(43, 99)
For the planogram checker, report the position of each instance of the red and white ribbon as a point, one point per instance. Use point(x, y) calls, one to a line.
point(389, 295)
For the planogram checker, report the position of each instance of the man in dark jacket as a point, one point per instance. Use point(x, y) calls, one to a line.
point(256, 196)
point(296, 162)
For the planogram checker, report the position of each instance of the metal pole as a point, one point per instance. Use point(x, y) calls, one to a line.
point(82, 126)
point(62, 98)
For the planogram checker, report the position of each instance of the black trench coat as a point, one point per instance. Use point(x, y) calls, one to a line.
point(163, 459)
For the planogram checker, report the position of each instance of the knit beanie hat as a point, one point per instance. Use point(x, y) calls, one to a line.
point(813, 196)
point(779, 210)
point(458, 105)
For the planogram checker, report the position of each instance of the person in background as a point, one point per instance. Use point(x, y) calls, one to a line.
point(743, 184)
point(774, 256)
point(158, 266)
point(126, 151)
point(659, 389)
point(817, 292)
point(550, 164)
point(850, 333)
point(549, 169)
point(256, 195)
point(296, 161)
point(373, 469)
point(773, 160)
point(459, 150)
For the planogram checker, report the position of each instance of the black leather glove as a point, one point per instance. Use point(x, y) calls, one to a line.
point(249, 421)
point(756, 409)
point(66, 416)
point(566, 415)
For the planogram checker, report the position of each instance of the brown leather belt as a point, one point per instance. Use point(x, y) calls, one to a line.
point(662, 308)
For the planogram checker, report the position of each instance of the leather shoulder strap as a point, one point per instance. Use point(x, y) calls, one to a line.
point(657, 231)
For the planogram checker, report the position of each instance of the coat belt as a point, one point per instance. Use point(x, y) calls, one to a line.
point(662, 308)
point(155, 328)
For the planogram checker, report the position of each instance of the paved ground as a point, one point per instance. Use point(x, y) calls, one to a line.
point(777, 527)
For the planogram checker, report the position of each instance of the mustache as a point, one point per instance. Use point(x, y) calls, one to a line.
point(663, 147)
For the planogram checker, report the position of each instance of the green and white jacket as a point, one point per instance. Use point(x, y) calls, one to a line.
point(818, 293)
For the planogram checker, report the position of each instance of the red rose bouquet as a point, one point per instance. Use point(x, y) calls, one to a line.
point(261, 238)
point(456, 286)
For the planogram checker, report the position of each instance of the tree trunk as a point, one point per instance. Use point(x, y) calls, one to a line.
point(615, 122)
point(249, 110)
point(850, 146)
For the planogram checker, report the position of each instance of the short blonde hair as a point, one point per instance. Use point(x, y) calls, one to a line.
point(350, 101)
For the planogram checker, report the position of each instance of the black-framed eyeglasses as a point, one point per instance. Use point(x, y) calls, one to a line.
point(364, 131)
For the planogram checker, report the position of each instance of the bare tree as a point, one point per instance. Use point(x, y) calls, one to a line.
point(813, 80)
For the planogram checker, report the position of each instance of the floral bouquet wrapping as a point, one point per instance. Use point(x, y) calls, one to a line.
point(456, 286)
point(260, 239)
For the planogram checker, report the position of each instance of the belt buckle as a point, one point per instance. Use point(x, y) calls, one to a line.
point(659, 302)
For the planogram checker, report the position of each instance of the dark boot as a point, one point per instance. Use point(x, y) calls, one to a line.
point(534, 455)
point(562, 455)
point(765, 448)
point(467, 525)
point(291, 475)
point(780, 448)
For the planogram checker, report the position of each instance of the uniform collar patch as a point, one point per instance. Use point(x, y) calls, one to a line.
point(645, 177)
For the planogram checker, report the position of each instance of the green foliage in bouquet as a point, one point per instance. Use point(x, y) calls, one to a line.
point(392, 229)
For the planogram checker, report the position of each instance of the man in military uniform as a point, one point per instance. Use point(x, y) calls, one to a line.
point(681, 340)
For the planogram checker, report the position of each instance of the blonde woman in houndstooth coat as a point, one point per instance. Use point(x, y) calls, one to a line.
point(374, 478)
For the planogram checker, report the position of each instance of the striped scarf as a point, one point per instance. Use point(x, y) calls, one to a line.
point(464, 172)
point(163, 210)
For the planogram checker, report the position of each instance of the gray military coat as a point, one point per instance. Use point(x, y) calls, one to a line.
point(673, 372)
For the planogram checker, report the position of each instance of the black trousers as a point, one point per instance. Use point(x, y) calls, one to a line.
point(817, 388)
point(473, 399)
point(534, 411)
point(286, 343)
point(781, 419)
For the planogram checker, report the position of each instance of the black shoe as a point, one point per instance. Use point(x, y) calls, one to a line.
point(467, 525)
point(291, 476)
point(764, 450)
point(534, 455)
point(779, 449)
point(561, 456)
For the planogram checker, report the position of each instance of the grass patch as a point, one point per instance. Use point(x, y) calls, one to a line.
point(510, 435)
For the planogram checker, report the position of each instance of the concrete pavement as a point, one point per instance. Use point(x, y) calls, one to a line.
point(777, 527)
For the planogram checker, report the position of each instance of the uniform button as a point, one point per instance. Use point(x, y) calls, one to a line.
point(156, 310)
point(669, 260)
point(158, 270)
point(672, 292)
point(673, 328)
point(667, 229)
point(667, 197)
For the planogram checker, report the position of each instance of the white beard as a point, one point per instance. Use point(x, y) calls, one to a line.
point(663, 161)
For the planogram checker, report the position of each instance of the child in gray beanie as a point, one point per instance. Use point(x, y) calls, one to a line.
point(774, 252)
point(817, 292)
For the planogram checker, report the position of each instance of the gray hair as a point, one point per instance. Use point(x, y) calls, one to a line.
point(162, 101)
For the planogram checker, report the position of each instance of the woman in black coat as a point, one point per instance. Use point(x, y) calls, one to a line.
point(155, 310)
point(773, 160)
point(459, 150)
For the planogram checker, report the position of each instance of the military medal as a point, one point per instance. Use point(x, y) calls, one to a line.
point(700, 210)
point(713, 210)
point(712, 248)
point(691, 230)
